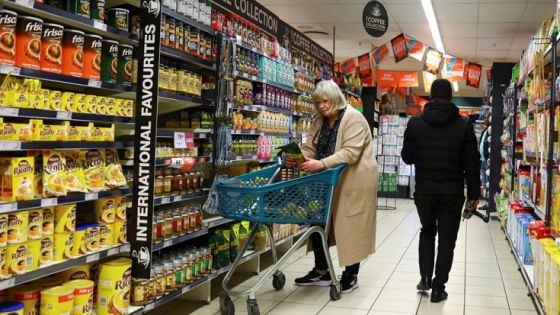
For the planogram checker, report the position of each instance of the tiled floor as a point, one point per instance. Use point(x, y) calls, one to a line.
point(484, 279)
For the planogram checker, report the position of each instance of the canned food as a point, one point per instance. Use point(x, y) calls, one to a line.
point(119, 232)
point(16, 259)
point(11, 308)
point(79, 7)
point(65, 218)
point(118, 18)
point(48, 221)
point(121, 202)
point(92, 57)
point(57, 301)
point(83, 296)
point(105, 210)
point(33, 254)
point(63, 246)
point(17, 227)
point(109, 61)
point(80, 238)
point(98, 10)
point(124, 65)
point(93, 234)
point(47, 251)
point(51, 48)
point(73, 53)
point(8, 21)
point(35, 224)
point(29, 295)
point(106, 235)
point(113, 287)
point(28, 45)
point(3, 266)
point(3, 230)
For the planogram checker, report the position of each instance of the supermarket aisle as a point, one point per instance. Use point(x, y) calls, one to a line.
point(484, 279)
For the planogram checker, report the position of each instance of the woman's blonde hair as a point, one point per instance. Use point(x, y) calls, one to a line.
point(329, 90)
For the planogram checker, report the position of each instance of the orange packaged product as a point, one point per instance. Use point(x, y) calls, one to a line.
point(73, 53)
point(28, 44)
point(51, 48)
point(92, 57)
point(8, 20)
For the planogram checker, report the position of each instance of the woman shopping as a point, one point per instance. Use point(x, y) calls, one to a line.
point(341, 134)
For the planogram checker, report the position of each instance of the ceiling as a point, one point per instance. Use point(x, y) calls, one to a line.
point(476, 30)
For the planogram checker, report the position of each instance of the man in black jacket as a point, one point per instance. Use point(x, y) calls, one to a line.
point(443, 147)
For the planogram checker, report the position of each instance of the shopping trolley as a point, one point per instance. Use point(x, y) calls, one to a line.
point(303, 200)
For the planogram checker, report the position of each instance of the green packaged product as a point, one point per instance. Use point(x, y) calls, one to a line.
point(118, 17)
point(124, 65)
point(243, 233)
point(213, 246)
point(98, 10)
point(223, 247)
point(109, 61)
point(234, 242)
point(79, 7)
point(292, 150)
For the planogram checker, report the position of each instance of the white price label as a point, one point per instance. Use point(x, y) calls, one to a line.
point(7, 207)
point(185, 289)
point(149, 307)
point(304, 138)
point(7, 283)
point(167, 243)
point(91, 196)
point(8, 111)
point(64, 115)
point(5, 69)
point(10, 145)
point(180, 140)
point(100, 25)
point(26, 3)
point(112, 251)
point(245, 75)
point(165, 200)
point(48, 202)
point(94, 83)
point(92, 258)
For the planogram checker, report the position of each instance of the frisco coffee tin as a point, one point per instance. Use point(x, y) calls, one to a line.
point(109, 61)
point(79, 7)
point(8, 21)
point(73, 53)
point(51, 48)
point(47, 251)
point(16, 259)
point(118, 18)
point(28, 44)
point(124, 65)
point(92, 57)
point(98, 10)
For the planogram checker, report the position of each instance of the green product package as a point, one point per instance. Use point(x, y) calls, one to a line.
point(124, 65)
point(223, 247)
point(109, 61)
point(243, 233)
point(292, 150)
point(234, 242)
point(213, 246)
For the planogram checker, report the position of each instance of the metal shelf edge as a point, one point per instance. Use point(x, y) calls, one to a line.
point(180, 239)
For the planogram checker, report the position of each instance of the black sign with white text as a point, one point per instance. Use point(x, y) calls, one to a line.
point(375, 19)
point(140, 223)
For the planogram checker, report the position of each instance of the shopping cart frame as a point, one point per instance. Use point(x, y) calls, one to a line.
point(279, 279)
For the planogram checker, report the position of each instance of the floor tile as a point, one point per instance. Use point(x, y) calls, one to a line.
point(521, 303)
point(488, 291)
point(395, 305)
point(440, 309)
point(294, 308)
point(310, 295)
point(330, 310)
point(478, 310)
point(486, 301)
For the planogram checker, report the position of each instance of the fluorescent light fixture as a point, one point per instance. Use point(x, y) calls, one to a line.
point(431, 17)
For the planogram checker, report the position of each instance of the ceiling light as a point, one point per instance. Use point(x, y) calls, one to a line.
point(431, 17)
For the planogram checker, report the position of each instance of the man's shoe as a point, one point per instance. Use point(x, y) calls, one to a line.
point(438, 296)
point(484, 208)
point(313, 278)
point(425, 284)
point(348, 282)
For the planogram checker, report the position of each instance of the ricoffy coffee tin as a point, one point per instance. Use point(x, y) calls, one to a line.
point(118, 17)
point(73, 53)
point(51, 48)
point(8, 21)
point(109, 61)
point(28, 44)
point(124, 65)
point(92, 56)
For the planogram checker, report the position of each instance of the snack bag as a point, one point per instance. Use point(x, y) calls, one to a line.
point(54, 173)
point(75, 179)
point(292, 150)
point(93, 165)
point(114, 176)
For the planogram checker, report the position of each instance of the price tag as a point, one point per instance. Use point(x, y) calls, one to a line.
point(48, 202)
point(8, 111)
point(92, 258)
point(264, 80)
point(94, 83)
point(91, 196)
point(165, 200)
point(10, 145)
point(112, 251)
point(185, 289)
point(64, 115)
point(7, 207)
point(167, 243)
point(149, 307)
point(5, 69)
point(179, 140)
point(189, 140)
point(100, 25)
point(245, 75)
point(202, 136)
point(304, 138)
point(7, 283)
point(26, 3)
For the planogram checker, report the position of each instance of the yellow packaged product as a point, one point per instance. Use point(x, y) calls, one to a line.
point(552, 304)
point(550, 252)
point(129, 108)
point(83, 296)
point(48, 221)
point(29, 295)
point(114, 176)
point(122, 203)
point(79, 102)
point(119, 232)
point(63, 246)
point(47, 250)
point(46, 100)
point(80, 241)
point(113, 287)
point(54, 173)
point(61, 130)
point(111, 106)
point(67, 101)
point(93, 237)
point(74, 134)
point(106, 235)
point(97, 133)
point(108, 133)
point(85, 132)
point(65, 218)
point(101, 107)
point(539, 267)
point(25, 131)
point(16, 259)
point(33, 254)
point(17, 227)
point(9, 131)
point(3, 229)
point(119, 107)
point(49, 282)
point(75, 178)
point(38, 174)
point(18, 176)
point(47, 133)
point(93, 165)
point(57, 301)
point(81, 272)
point(55, 99)
point(105, 210)
point(90, 103)
point(3, 266)
point(35, 224)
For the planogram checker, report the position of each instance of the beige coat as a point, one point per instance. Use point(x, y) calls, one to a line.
point(355, 202)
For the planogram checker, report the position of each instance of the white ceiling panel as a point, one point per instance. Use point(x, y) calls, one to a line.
point(538, 12)
point(520, 43)
point(319, 2)
point(458, 44)
point(504, 1)
point(494, 43)
point(458, 30)
point(409, 12)
point(527, 29)
point(420, 31)
point(287, 13)
point(456, 12)
point(352, 30)
point(469, 54)
point(493, 30)
point(496, 12)
point(491, 54)
point(322, 13)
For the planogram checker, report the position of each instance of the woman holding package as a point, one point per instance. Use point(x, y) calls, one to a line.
point(341, 134)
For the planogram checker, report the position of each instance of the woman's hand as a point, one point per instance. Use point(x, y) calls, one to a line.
point(312, 166)
point(289, 162)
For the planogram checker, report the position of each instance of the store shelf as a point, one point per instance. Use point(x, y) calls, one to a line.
point(162, 162)
point(183, 197)
point(70, 20)
point(538, 211)
point(216, 221)
point(73, 198)
point(60, 115)
point(261, 133)
point(180, 239)
point(169, 133)
point(182, 56)
point(61, 266)
point(243, 75)
point(62, 145)
point(172, 102)
point(205, 28)
point(239, 42)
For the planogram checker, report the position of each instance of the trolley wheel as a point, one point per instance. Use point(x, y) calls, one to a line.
point(278, 281)
point(335, 292)
point(226, 305)
point(253, 307)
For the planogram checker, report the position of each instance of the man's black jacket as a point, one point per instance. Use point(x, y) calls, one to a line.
point(443, 148)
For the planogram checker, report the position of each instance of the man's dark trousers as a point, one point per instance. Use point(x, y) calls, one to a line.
point(439, 214)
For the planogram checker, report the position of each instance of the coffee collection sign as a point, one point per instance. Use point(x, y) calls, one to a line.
point(375, 19)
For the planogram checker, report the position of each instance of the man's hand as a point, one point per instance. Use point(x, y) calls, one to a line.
point(289, 162)
point(312, 166)
point(471, 205)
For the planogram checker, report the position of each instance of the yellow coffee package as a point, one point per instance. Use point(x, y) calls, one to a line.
point(65, 218)
point(93, 165)
point(105, 210)
point(119, 232)
point(54, 173)
point(8, 131)
point(46, 102)
point(80, 241)
point(106, 235)
point(108, 133)
point(63, 246)
point(55, 99)
point(47, 133)
point(79, 102)
point(114, 176)
point(67, 101)
point(16, 259)
point(33, 254)
point(74, 134)
point(93, 237)
point(18, 176)
point(47, 251)
point(17, 227)
point(113, 287)
point(101, 106)
point(29, 295)
point(75, 178)
point(3, 229)
point(48, 221)
point(57, 301)
point(91, 102)
point(81, 272)
point(3, 266)
point(97, 133)
point(83, 296)
point(35, 230)
point(122, 203)
point(61, 130)
point(111, 106)
point(38, 178)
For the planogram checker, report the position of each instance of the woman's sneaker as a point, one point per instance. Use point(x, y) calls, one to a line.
point(348, 282)
point(313, 278)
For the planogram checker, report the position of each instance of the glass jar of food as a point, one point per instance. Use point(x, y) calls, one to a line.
point(158, 187)
point(170, 283)
point(168, 224)
point(160, 281)
point(141, 291)
point(167, 182)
